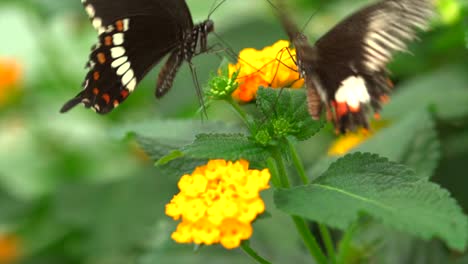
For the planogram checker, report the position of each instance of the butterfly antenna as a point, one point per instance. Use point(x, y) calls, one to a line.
point(230, 52)
point(273, 5)
point(308, 21)
point(228, 48)
point(215, 6)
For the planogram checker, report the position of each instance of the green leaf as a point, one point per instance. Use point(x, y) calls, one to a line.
point(157, 139)
point(365, 183)
point(168, 157)
point(12, 207)
point(225, 146)
point(286, 113)
point(164, 129)
point(384, 245)
point(412, 141)
point(176, 154)
point(157, 148)
point(117, 216)
point(443, 90)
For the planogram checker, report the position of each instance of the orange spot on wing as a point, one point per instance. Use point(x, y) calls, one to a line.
point(390, 83)
point(101, 58)
point(106, 98)
point(108, 41)
point(116, 103)
point(96, 91)
point(96, 75)
point(384, 99)
point(377, 116)
point(119, 25)
point(124, 93)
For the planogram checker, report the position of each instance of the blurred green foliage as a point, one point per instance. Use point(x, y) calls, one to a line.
point(76, 189)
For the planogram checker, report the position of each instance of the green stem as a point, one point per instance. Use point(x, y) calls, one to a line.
point(249, 251)
point(345, 243)
point(282, 174)
point(239, 111)
point(297, 162)
point(301, 225)
point(325, 233)
point(327, 239)
point(274, 172)
point(309, 240)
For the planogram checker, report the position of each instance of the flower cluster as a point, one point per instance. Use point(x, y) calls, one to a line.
point(349, 141)
point(273, 66)
point(217, 203)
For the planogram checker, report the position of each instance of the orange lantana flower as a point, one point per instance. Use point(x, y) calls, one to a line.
point(9, 249)
point(10, 76)
point(273, 66)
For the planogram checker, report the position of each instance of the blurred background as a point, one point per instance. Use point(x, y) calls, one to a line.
point(75, 188)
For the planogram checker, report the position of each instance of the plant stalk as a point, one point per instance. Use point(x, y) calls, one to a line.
point(324, 232)
point(252, 253)
point(301, 225)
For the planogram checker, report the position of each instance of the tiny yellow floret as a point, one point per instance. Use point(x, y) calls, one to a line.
point(217, 203)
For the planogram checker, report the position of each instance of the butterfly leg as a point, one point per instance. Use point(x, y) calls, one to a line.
point(198, 90)
point(280, 60)
point(220, 48)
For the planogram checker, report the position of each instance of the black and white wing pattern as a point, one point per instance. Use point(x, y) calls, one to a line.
point(347, 66)
point(133, 37)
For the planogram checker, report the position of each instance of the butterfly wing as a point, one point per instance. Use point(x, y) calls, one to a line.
point(133, 37)
point(168, 72)
point(305, 58)
point(352, 57)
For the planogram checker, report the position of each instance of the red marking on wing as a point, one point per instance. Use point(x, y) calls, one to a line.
point(106, 98)
point(119, 25)
point(341, 109)
point(124, 93)
point(108, 41)
point(101, 58)
point(384, 98)
point(390, 83)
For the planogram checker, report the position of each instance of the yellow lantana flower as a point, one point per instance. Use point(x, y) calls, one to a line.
point(217, 203)
point(273, 66)
point(348, 141)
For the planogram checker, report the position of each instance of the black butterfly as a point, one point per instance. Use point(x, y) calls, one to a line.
point(346, 68)
point(134, 35)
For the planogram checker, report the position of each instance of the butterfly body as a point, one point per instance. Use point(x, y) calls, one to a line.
point(133, 37)
point(345, 70)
